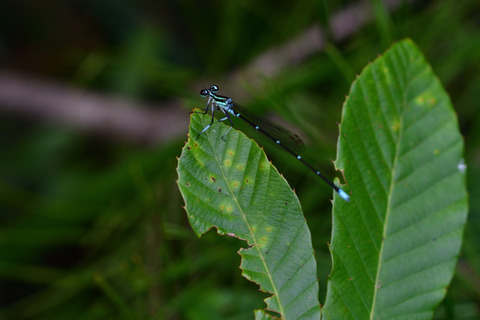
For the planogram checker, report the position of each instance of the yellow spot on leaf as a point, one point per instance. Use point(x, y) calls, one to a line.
point(395, 125)
point(420, 100)
point(234, 184)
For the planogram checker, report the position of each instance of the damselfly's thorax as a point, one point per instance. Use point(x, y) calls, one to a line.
point(216, 99)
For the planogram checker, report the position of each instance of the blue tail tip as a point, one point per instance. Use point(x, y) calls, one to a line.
point(344, 195)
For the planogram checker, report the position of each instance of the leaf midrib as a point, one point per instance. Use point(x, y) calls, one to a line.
point(389, 200)
point(254, 240)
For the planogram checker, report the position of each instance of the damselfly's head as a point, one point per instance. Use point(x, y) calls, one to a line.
point(206, 92)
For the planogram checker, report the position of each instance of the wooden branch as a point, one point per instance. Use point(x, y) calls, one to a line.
point(50, 101)
point(115, 117)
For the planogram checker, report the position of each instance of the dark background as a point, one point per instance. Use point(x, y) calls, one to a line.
point(94, 102)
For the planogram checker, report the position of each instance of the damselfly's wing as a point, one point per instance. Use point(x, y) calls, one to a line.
point(289, 139)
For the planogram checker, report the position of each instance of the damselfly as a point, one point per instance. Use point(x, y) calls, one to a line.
point(280, 136)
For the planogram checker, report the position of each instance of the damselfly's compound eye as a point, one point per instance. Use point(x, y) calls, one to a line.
point(214, 88)
point(204, 93)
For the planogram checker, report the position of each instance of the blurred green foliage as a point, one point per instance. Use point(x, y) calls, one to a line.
point(92, 228)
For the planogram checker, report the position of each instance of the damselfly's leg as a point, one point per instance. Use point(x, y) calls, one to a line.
point(212, 107)
point(227, 116)
point(206, 107)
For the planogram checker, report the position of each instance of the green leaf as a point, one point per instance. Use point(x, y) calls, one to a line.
point(395, 245)
point(230, 185)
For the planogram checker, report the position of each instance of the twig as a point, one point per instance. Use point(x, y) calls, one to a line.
point(312, 41)
point(54, 102)
point(88, 111)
